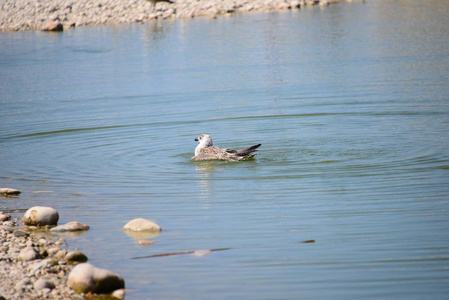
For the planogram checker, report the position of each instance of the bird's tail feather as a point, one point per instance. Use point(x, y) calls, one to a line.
point(248, 151)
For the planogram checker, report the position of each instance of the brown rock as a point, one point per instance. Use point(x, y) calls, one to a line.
point(53, 26)
point(75, 257)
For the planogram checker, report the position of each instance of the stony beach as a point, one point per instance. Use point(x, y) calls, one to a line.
point(32, 267)
point(35, 262)
point(59, 15)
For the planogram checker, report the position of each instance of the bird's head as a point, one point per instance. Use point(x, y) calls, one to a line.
point(204, 139)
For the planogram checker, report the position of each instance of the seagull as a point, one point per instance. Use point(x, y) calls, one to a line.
point(207, 151)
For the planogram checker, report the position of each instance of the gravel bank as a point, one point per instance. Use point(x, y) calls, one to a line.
point(37, 14)
point(31, 266)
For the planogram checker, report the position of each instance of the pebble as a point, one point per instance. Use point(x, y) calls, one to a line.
point(61, 14)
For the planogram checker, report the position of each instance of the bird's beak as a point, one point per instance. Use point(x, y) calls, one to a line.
point(196, 140)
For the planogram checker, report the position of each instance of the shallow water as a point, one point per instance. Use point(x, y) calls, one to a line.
point(350, 104)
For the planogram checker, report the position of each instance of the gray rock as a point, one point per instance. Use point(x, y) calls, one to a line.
point(7, 228)
point(71, 226)
point(86, 278)
point(20, 232)
point(26, 280)
point(41, 284)
point(40, 216)
point(19, 287)
point(35, 268)
point(28, 253)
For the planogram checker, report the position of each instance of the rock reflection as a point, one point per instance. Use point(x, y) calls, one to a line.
point(50, 235)
point(142, 235)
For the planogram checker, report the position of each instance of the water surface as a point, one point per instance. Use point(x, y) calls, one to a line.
point(350, 104)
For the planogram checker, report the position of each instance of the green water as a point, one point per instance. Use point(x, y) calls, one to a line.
point(350, 103)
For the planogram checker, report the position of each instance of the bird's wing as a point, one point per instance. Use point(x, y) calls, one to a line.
point(212, 151)
point(215, 153)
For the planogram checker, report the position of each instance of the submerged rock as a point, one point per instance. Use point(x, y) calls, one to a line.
point(85, 278)
point(142, 225)
point(40, 216)
point(146, 243)
point(71, 226)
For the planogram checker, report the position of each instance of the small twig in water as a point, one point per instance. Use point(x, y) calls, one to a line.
point(308, 241)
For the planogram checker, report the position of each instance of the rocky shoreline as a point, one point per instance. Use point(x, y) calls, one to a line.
point(59, 15)
point(32, 267)
point(35, 264)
